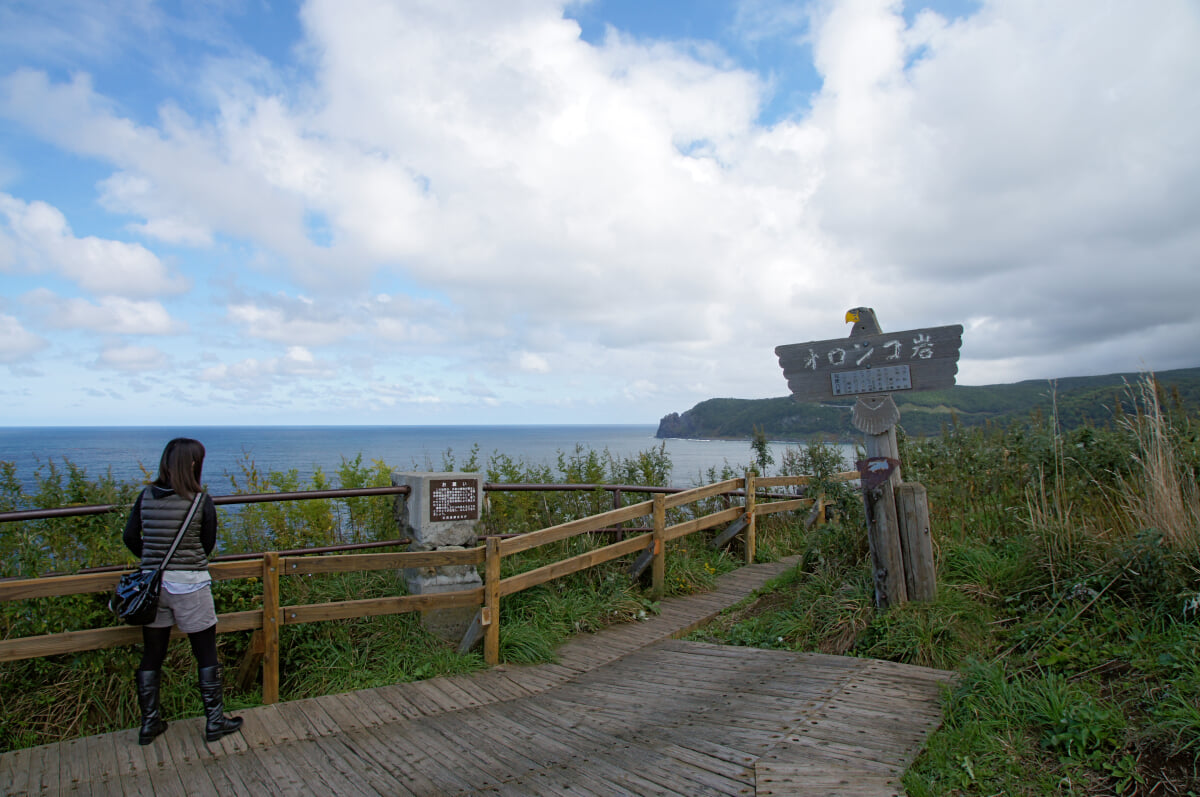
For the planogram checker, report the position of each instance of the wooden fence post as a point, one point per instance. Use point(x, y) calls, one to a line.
point(491, 602)
point(883, 532)
point(272, 619)
point(658, 567)
point(912, 506)
point(751, 526)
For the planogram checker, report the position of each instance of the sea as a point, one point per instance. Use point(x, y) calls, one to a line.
point(128, 452)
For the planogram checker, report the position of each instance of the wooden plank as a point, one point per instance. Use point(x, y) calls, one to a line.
point(223, 776)
point(375, 607)
point(436, 693)
point(96, 766)
point(511, 759)
point(163, 776)
point(587, 745)
point(726, 536)
point(564, 567)
point(365, 710)
point(534, 678)
point(395, 695)
point(354, 563)
point(243, 568)
point(438, 762)
point(387, 712)
point(73, 769)
point(572, 528)
point(84, 583)
point(356, 773)
point(50, 586)
point(769, 482)
point(344, 719)
point(475, 687)
point(272, 623)
point(289, 769)
point(415, 695)
point(680, 767)
point(45, 771)
point(528, 735)
point(731, 760)
point(14, 768)
point(700, 493)
point(278, 725)
point(701, 523)
point(68, 642)
point(499, 686)
point(887, 562)
point(491, 602)
point(912, 513)
point(129, 758)
point(364, 752)
point(447, 735)
point(658, 562)
point(248, 772)
point(454, 689)
point(773, 507)
point(253, 732)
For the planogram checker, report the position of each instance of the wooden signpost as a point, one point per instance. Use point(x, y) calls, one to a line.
point(872, 366)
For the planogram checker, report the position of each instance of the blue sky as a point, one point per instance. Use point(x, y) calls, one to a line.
point(445, 212)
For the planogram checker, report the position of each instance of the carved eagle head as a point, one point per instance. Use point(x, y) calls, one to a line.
point(864, 322)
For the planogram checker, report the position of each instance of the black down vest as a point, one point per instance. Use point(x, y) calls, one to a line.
point(161, 518)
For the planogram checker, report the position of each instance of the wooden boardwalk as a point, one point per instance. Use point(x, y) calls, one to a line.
point(628, 711)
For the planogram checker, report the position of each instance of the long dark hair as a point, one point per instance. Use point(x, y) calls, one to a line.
point(180, 466)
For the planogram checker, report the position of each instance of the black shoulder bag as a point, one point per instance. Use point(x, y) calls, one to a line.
point(136, 598)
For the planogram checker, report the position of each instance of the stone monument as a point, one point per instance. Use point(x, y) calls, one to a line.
point(441, 512)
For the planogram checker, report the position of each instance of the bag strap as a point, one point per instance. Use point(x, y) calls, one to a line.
point(187, 521)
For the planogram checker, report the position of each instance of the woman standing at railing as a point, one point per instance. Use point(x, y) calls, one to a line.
point(186, 596)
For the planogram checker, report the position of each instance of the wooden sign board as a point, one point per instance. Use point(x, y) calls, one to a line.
point(917, 359)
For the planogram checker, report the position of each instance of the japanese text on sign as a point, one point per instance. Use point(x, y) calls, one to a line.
point(873, 380)
point(868, 353)
point(453, 499)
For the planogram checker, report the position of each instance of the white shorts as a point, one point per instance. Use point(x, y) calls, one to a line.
point(192, 612)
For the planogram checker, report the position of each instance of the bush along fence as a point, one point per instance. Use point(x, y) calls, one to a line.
point(693, 510)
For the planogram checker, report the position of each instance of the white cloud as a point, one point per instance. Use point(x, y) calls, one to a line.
point(291, 321)
point(533, 363)
point(249, 375)
point(126, 193)
point(527, 198)
point(133, 358)
point(43, 241)
point(16, 342)
point(111, 315)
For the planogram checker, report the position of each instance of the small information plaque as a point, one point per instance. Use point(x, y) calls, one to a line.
point(453, 499)
point(871, 380)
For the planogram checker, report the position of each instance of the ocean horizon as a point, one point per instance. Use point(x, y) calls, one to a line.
point(129, 451)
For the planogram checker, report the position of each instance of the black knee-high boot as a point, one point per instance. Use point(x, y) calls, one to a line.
point(147, 693)
point(216, 724)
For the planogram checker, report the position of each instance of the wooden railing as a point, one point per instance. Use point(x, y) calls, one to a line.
point(272, 565)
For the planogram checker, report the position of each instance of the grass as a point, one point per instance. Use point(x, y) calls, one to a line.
point(1068, 604)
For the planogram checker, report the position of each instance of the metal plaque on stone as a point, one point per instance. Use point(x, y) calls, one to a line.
point(453, 499)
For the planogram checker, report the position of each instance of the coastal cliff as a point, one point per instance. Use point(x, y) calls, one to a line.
point(1074, 401)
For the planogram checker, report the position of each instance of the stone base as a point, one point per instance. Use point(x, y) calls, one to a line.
point(448, 624)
